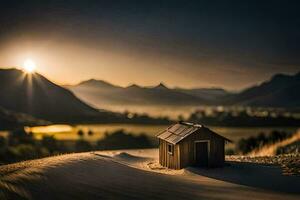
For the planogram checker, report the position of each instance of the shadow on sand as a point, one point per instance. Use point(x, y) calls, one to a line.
point(254, 175)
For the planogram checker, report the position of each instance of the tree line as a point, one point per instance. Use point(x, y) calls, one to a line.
point(20, 145)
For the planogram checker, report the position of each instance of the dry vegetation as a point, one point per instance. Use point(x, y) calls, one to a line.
point(268, 154)
point(290, 163)
point(272, 149)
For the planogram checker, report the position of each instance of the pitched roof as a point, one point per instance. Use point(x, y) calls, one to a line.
point(177, 132)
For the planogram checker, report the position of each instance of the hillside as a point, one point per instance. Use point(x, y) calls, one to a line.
point(99, 93)
point(209, 94)
point(34, 95)
point(10, 120)
point(280, 91)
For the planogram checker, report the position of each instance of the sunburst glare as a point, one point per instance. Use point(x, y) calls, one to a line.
point(29, 66)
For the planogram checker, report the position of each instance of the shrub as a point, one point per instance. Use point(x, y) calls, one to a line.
point(2, 143)
point(82, 145)
point(249, 144)
point(122, 140)
point(90, 133)
point(22, 152)
point(50, 143)
point(80, 133)
point(229, 152)
point(19, 136)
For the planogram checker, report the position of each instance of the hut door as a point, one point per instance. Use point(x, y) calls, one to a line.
point(201, 151)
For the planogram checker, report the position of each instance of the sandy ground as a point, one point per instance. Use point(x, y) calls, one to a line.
point(135, 174)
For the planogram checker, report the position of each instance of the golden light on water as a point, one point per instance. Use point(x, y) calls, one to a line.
point(49, 129)
point(29, 66)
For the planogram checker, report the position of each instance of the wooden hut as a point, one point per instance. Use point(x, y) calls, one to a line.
point(186, 144)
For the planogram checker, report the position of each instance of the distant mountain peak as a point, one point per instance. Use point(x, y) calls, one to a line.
point(283, 79)
point(92, 80)
point(280, 91)
point(47, 100)
point(285, 76)
point(277, 91)
point(95, 82)
point(279, 76)
point(161, 86)
point(132, 86)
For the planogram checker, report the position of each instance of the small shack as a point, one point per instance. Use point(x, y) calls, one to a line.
point(186, 144)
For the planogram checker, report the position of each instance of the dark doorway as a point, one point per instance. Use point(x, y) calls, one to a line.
point(201, 151)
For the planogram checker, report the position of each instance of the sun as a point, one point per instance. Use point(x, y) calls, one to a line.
point(29, 66)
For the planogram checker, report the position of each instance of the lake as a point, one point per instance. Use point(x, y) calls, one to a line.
point(67, 132)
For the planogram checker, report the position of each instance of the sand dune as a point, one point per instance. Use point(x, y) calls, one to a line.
point(128, 175)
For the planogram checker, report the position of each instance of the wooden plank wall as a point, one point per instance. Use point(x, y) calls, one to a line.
point(187, 149)
point(166, 159)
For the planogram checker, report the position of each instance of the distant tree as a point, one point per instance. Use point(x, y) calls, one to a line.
point(229, 152)
point(80, 133)
point(261, 137)
point(278, 136)
point(90, 133)
point(119, 139)
point(83, 145)
point(20, 136)
point(180, 118)
point(3, 148)
point(50, 143)
point(246, 145)
point(43, 152)
point(242, 146)
point(2, 142)
point(22, 152)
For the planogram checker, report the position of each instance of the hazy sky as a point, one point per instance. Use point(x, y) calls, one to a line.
point(230, 44)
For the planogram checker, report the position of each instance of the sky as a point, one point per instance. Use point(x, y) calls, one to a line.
point(228, 44)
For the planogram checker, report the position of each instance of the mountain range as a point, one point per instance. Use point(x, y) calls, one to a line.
point(33, 99)
point(36, 99)
point(35, 95)
point(100, 93)
point(280, 91)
